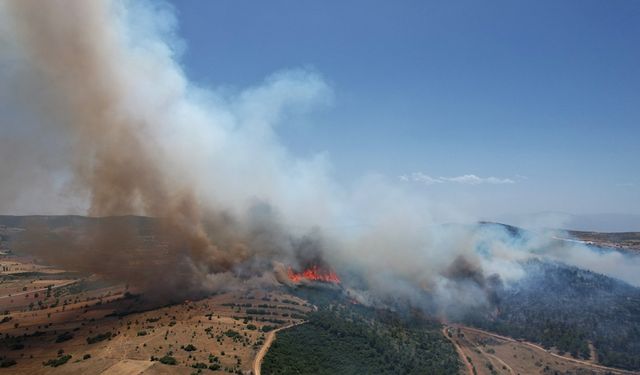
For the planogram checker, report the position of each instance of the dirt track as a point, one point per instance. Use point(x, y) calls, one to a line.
point(271, 336)
point(538, 347)
point(44, 289)
point(459, 350)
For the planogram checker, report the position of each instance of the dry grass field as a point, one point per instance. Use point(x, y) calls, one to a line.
point(55, 322)
point(490, 354)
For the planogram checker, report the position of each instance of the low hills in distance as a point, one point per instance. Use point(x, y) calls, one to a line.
point(557, 319)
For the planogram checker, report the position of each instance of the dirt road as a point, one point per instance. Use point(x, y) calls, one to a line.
point(67, 283)
point(538, 347)
point(459, 350)
point(271, 336)
point(502, 363)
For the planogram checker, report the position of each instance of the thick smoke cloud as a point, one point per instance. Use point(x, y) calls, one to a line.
point(131, 135)
point(99, 118)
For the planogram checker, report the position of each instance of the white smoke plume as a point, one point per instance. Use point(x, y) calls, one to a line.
point(99, 118)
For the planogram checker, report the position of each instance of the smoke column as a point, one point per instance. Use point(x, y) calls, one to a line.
point(100, 119)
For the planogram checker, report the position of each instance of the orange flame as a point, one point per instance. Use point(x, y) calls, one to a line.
point(313, 273)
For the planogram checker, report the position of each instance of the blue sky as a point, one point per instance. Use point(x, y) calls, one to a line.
point(544, 94)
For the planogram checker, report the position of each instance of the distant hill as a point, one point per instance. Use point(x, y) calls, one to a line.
point(54, 222)
point(554, 304)
point(605, 222)
point(11, 225)
point(622, 240)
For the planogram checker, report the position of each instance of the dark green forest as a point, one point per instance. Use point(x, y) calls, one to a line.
point(344, 338)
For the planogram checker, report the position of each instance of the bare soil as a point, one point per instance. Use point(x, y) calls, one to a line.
point(48, 318)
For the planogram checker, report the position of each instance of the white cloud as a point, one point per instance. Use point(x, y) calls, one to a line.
point(467, 179)
point(420, 177)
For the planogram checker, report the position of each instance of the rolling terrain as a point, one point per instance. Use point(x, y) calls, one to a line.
point(557, 320)
point(52, 323)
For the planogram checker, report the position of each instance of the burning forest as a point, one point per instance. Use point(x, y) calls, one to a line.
point(165, 190)
point(313, 273)
point(226, 199)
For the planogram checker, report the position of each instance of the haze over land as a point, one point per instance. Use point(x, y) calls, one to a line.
point(186, 190)
point(128, 133)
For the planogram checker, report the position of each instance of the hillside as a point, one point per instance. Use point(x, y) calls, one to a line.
point(567, 308)
point(346, 338)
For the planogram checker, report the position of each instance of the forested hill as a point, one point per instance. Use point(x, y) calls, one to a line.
point(566, 308)
point(346, 338)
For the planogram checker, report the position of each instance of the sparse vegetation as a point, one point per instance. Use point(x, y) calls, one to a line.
point(231, 333)
point(214, 367)
point(200, 365)
point(99, 337)
point(266, 328)
point(189, 348)
point(16, 346)
point(64, 337)
point(7, 363)
point(61, 360)
point(168, 360)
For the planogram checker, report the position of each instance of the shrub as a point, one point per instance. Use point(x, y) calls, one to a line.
point(232, 333)
point(98, 338)
point(168, 360)
point(16, 346)
point(267, 328)
point(7, 363)
point(64, 337)
point(58, 361)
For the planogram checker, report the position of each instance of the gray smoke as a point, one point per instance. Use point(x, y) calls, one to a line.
point(99, 118)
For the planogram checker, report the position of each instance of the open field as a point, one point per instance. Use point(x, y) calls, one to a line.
point(490, 354)
point(48, 316)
